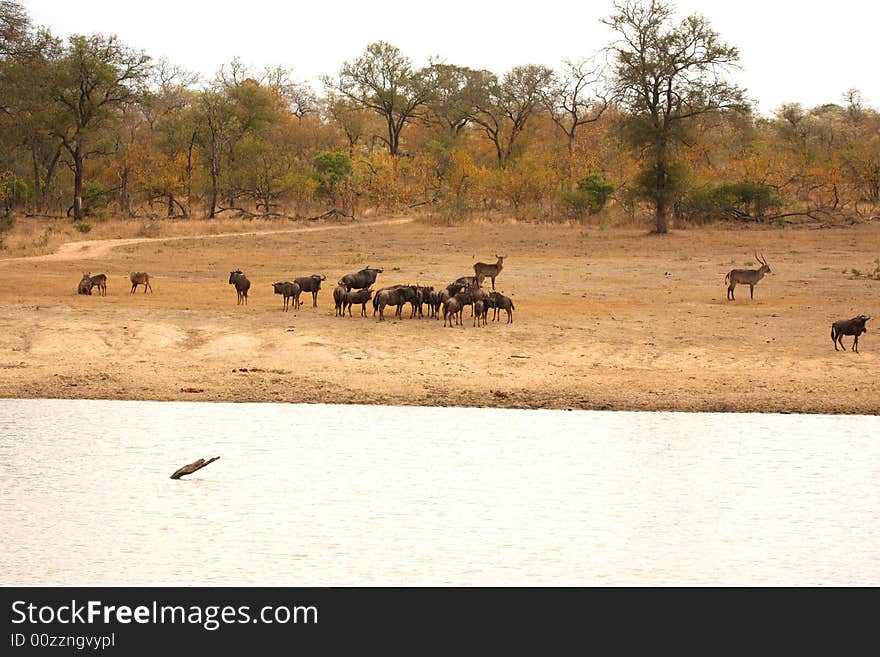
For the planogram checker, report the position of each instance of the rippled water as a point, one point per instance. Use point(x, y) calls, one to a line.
point(373, 495)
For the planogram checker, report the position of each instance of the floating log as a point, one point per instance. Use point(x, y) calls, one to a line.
point(192, 467)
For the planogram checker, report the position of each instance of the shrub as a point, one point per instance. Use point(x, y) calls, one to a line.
point(745, 201)
point(83, 226)
point(591, 195)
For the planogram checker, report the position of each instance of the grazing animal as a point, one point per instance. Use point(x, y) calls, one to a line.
point(465, 281)
point(311, 284)
point(85, 285)
point(360, 280)
point(854, 327)
point(500, 302)
point(339, 299)
point(482, 269)
point(452, 311)
point(748, 277)
point(97, 281)
point(480, 312)
point(242, 285)
point(357, 296)
point(140, 278)
point(288, 290)
point(395, 296)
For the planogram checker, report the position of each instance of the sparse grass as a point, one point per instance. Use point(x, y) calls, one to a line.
point(855, 272)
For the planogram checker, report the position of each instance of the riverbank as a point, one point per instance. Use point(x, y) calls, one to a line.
point(605, 319)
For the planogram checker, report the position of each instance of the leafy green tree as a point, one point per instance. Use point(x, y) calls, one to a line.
point(94, 78)
point(667, 73)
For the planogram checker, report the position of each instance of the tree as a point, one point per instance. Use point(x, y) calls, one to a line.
point(383, 80)
point(666, 74)
point(95, 77)
point(574, 99)
point(504, 107)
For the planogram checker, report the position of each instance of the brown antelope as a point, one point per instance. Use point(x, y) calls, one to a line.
point(481, 269)
point(98, 281)
point(748, 277)
point(140, 278)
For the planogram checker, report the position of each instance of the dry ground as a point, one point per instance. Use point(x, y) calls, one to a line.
point(605, 319)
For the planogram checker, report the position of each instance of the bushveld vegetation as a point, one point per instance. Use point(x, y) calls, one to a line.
point(653, 128)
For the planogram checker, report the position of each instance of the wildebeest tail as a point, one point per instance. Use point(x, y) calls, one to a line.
point(727, 278)
point(833, 334)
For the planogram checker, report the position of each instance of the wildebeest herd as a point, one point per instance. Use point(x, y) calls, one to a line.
point(356, 289)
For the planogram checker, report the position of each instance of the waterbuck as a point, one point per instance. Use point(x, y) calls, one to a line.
point(311, 284)
point(854, 327)
point(140, 278)
point(85, 285)
point(482, 269)
point(288, 290)
point(241, 283)
point(360, 280)
point(97, 281)
point(748, 277)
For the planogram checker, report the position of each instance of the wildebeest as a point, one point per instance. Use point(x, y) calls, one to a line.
point(451, 311)
point(97, 281)
point(288, 290)
point(140, 278)
point(242, 285)
point(339, 299)
point(360, 280)
point(85, 285)
point(479, 312)
point(482, 270)
point(500, 302)
point(854, 327)
point(395, 296)
point(748, 277)
point(357, 296)
point(311, 284)
point(465, 281)
point(444, 295)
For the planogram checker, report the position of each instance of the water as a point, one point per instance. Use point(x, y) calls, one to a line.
point(372, 495)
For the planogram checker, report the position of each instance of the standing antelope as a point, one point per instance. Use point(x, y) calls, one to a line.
point(481, 269)
point(748, 277)
point(139, 278)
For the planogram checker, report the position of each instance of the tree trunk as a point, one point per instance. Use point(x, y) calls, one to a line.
point(78, 182)
point(192, 467)
point(170, 205)
point(661, 191)
point(215, 181)
point(189, 172)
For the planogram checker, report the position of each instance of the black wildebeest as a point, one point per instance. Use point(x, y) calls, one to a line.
point(854, 327)
point(140, 278)
point(288, 290)
point(311, 284)
point(357, 296)
point(500, 302)
point(85, 285)
point(482, 270)
point(97, 281)
point(748, 277)
point(360, 280)
point(242, 285)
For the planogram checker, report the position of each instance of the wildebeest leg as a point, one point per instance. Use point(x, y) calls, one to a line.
point(493, 283)
point(752, 292)
point(855, 346)
point(314, 299)
point(834, 342)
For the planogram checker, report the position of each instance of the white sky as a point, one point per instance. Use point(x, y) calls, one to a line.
point(791, 51)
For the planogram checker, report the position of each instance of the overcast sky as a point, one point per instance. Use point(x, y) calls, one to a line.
point(791, 51)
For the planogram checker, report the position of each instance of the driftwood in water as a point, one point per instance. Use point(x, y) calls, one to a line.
point(192, 467)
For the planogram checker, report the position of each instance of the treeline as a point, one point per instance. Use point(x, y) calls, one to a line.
point(90, 128)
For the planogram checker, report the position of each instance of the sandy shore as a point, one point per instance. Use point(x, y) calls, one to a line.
point(605, 319)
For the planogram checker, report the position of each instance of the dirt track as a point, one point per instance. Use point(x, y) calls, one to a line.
point(612, 319)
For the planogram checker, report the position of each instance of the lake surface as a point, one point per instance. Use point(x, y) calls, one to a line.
point(315, 495)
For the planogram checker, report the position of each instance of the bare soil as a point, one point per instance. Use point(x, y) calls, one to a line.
point(604, 319)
